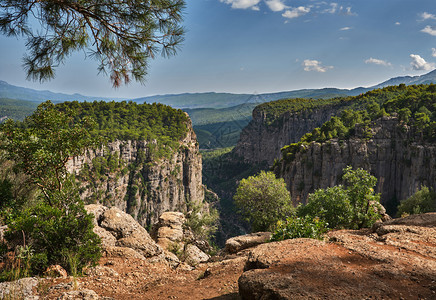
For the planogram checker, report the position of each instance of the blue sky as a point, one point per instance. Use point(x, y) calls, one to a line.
point(259, 46)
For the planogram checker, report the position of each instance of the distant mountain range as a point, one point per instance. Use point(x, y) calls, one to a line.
point(210, 100)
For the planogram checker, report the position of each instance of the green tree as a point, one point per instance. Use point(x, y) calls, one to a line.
point(422, 201)
point(121, 35)
point(56, 226)
point(42, 145)
point(353, 205)
point(263, 200)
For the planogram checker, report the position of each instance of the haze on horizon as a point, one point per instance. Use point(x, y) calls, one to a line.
point(261, 46)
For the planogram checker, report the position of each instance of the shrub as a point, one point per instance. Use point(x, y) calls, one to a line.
point(299, 227)
point(54, 234)
point(263, 200)
point(353, 205)
point(330, 205)
point(422, 201)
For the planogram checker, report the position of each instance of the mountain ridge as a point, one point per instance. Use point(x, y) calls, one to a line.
point(210, 99)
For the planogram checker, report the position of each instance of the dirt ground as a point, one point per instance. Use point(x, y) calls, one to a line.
point(131, 279)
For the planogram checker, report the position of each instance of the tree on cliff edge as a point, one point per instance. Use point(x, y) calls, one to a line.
point(263, 200)
point(121, 35)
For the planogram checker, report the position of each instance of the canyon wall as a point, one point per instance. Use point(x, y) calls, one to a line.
point(261, 142)
point(137, 178)
point(395, 154)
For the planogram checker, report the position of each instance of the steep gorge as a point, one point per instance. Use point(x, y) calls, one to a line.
point(261, 141)
point(130, 175)
point(395, 154)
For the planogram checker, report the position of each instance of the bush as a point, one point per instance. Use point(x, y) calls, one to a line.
point(54, 234)
point(351, 206)
point(422, 201)
point(263, 200)
point(330, 205)
point(299, 227)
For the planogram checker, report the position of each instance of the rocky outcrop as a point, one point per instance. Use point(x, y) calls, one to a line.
point(397, 262)
point(169, 229)
point(142, 178)
point(172, 235)
point(260, 142)
point(394, 154)
point(19, 289)
point(118, 229)
point(238, 243)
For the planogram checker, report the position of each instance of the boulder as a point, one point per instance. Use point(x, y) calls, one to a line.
point(119, 229)
point(358, 265)
point(194, 256)
point(19, 289)
point(169, 229)
point(423, 220)
point(238, 243)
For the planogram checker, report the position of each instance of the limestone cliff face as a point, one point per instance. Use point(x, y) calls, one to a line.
point(260, 142)
point(395, 154)
point(126, 174)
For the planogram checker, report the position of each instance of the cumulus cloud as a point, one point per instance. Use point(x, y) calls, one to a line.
point(378, 62)
point(426, 16)
point(243, 4)
point(433, 52)
point(314, 65)
point(333, 8)
point(397, 23)
point(276, 5)
point(418, 63)
point(296, 12)
point(430, 30)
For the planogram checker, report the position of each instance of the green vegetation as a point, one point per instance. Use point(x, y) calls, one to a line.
point(203, 222)
point(299, 227)
point(415, 106)
point(275, 109)
point(16, 109)
point(423, 201)
point(263, 200)
point(354, 205)
point(53, 224)
point(159, 124)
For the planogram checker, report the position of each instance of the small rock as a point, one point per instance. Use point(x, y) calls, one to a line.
point(56, 271)
point(79, 295)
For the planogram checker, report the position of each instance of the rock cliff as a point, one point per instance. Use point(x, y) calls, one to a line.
point(134, 177)
point(260, 141)
point(395, 154)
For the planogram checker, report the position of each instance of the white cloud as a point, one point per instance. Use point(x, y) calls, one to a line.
point(426, 16)
point(418, 63)
point(333, 8)
point(276, 5)
point(345, 28)
point(378, 62)
point(347, 11)
point(397, 23)
point(243, 4)
point(296, 12)
point(314, 65)
point(433, 52)
point(430, 30)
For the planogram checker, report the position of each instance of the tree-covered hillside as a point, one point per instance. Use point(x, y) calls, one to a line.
point(132, 121)
point(16, 109)
point(414, 105)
